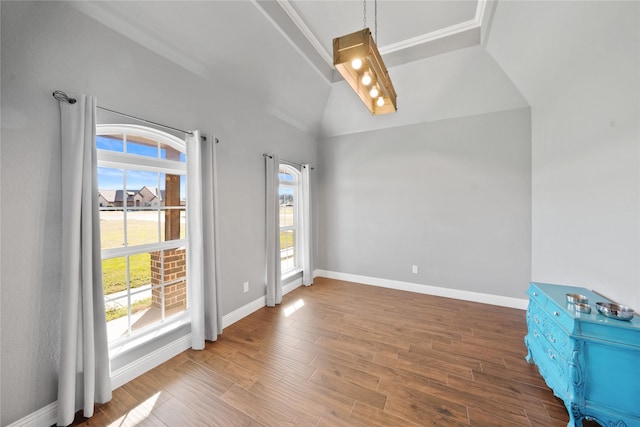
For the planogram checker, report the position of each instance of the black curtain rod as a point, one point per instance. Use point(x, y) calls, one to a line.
point(61, 96)
point(287, 161)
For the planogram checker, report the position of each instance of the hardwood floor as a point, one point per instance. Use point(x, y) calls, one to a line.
point(346, 354)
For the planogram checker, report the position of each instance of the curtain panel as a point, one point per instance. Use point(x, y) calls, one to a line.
point(206, 322)
point(212, 313)
point(272, 240)
point(306, 241)
point(83, 377)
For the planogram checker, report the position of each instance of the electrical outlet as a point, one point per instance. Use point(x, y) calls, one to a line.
point(246, 286)
point(414, 269)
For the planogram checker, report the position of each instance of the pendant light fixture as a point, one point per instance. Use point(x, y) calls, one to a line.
point(357, 59)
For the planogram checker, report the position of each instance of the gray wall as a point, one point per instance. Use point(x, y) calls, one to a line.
point(47, 46)
point(451, 196)
point(581, 76)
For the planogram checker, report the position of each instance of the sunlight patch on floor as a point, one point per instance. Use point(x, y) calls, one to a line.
point(292, 308)
point(139, 414)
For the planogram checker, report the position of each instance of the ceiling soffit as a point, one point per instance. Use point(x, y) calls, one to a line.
point(427, 40)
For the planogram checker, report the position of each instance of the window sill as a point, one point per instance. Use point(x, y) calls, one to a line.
point(125, 345)
point(290, 274)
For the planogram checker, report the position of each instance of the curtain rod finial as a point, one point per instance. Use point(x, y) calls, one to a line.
point(61, 96)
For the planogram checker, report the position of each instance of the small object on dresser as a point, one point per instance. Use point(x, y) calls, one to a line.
point(582, 307)
point(614, 311)
point(577, 298)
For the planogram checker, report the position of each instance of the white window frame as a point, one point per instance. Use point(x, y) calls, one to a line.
point(123, 160)
point(296, 217)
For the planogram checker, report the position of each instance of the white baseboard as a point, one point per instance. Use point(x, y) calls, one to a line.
point(244, 311)
point(44, 417)
point(503, 301)
point(255, 305)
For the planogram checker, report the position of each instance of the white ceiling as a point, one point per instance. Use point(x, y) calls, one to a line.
point(417, 17)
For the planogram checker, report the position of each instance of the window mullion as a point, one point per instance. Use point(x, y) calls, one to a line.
point(128, 286)
point(139, 249)
point(122, 160)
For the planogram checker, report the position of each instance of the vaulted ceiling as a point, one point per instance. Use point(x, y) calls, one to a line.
point(281, 51)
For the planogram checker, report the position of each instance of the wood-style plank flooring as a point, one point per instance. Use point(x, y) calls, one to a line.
point(346, 354)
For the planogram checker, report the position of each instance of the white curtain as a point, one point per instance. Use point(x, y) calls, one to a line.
point(202, 263)
point(273, 279)
point(306, 239)
point(83, 378)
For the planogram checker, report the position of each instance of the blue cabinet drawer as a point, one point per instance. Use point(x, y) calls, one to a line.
point(561, 316)
point(551, 329)
point(538, 296)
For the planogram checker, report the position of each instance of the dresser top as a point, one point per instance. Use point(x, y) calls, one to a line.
point(557, 293)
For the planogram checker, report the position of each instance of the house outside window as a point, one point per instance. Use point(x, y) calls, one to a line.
point(142, 201)
point(289, 192)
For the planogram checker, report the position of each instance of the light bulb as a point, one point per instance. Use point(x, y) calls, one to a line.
point(374, 92)
point(356, 63)
point(380, 102)
point(366, 79)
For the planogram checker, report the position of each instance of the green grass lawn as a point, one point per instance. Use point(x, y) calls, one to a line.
point(114, 277)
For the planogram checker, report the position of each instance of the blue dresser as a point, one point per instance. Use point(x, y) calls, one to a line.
point(590, 361)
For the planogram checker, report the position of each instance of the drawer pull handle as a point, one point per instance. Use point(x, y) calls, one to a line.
point(536, 334)
point(535, 294)
point(555, 313)
point(552, 338)
point(551, 355)
point(535, 319)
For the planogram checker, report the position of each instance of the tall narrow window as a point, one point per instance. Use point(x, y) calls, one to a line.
point(142, 196)
point(289, 191)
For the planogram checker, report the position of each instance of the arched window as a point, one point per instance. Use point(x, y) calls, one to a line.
point(289, 191)
point(142, 195)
